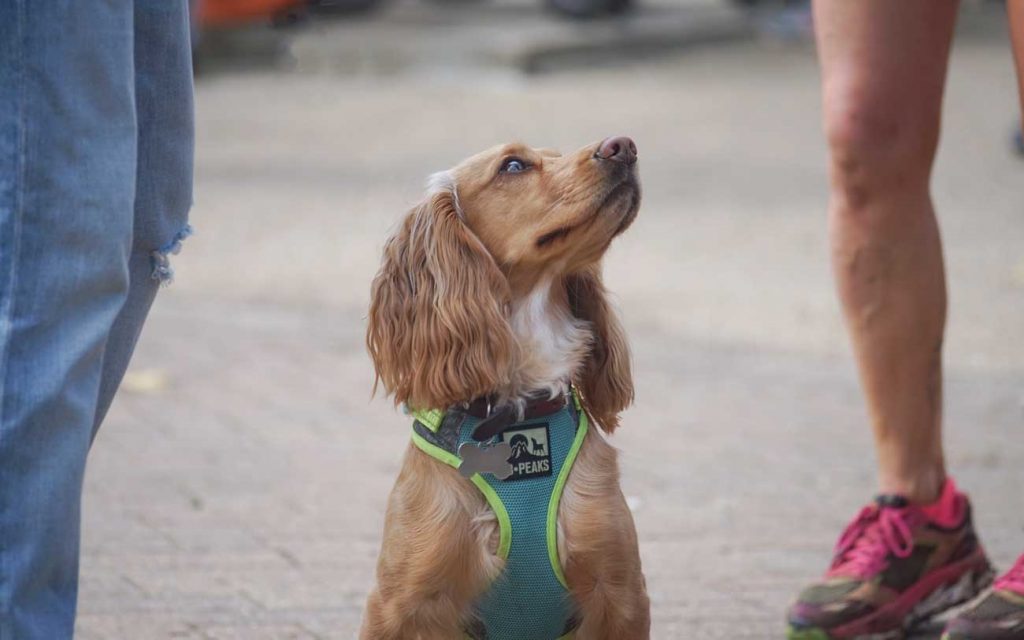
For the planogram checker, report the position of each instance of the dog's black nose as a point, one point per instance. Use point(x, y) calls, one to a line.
point(617, 149)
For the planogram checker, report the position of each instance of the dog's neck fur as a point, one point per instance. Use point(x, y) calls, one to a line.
point(552, 341)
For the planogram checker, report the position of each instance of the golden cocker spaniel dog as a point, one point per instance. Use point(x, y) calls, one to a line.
point(490, 322)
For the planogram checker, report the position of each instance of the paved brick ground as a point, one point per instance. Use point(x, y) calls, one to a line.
point(238, 486)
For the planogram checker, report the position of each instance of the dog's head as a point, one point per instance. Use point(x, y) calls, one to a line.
point(489, 232)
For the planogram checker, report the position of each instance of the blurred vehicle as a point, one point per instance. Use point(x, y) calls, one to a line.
point(228, 13)
point(217, 14)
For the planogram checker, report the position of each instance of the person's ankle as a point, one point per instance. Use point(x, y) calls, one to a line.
point(921, 489)
point(944, 506)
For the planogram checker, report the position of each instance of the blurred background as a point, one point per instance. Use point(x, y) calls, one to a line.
point(238, 486)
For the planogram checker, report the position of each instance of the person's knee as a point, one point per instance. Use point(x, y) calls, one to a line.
point(877, 150)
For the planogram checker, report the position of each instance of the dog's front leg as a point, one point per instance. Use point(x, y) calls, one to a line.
point(598, 545)
point(435, 559)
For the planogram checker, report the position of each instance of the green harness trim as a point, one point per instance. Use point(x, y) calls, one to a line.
point(504, 523)
point(556, 495)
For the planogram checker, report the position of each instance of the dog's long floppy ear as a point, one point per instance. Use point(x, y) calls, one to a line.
point(606, 379)
point(438, 332)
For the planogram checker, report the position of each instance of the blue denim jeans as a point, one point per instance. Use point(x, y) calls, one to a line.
point(95, 185)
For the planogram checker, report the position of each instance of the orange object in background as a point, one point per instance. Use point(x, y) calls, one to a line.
point(223, 13)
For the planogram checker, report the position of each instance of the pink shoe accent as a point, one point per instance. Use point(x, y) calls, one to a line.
point(868, 540)
point(878, 531)
point(948, 510)
point(1012, 580)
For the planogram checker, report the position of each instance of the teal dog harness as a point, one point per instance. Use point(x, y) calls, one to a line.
point(530, 599)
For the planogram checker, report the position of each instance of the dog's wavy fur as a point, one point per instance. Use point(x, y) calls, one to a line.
point(471, 300)
point(438, 331)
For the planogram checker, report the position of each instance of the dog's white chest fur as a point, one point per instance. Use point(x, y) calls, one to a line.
point(553, 341)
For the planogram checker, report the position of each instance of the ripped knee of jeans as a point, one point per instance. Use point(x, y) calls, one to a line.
point(161, 258)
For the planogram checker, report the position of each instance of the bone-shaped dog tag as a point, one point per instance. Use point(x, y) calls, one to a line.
point(492, 459)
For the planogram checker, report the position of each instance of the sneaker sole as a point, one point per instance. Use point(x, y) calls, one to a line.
point(961, 589)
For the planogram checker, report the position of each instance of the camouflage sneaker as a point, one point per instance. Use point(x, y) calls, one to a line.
point(892, 568)
point(997, 616)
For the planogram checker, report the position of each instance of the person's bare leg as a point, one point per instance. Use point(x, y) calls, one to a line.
point(914, 552)
point(883, 69)
point(1015, 11)
point(1000, 614)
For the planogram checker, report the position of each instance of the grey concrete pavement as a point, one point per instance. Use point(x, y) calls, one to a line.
point(238, 486)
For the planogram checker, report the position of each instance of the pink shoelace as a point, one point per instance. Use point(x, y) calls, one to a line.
point(863, 549)
point(1012, 580)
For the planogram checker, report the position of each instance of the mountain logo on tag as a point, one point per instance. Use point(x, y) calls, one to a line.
point(531, 455)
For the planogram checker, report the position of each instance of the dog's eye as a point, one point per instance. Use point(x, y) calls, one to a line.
point(513, 165)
